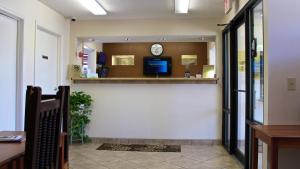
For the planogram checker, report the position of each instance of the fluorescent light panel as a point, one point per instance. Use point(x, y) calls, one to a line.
point(182, 6)
point(93, 6)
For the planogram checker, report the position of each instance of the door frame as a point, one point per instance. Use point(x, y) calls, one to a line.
point(244, 16)
point(251, 120)
point(251, 36)
point(226, 110)
point(39, 27)
point(234, 53)
point(19, 65)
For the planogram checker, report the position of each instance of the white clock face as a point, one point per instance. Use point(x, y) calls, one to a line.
point(157, 49)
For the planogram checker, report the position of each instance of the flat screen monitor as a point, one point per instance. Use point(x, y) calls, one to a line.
point(154, 66)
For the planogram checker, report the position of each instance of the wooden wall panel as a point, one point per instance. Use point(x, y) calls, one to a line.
point(140, 50)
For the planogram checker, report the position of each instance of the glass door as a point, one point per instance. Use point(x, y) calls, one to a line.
point(257, 71)
point(243, 79)
point(257, 60)
point(227, 143)
point(240, 89)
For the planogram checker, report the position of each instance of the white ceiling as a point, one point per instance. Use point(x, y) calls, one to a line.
point(139, 9)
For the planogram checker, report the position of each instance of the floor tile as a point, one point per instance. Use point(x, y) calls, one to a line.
point(191, 157)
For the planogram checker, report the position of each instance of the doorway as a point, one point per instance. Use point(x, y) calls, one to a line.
point(243, 79)
point(227, 111)
point(240, 90)
point(10, 55)
point(47, 50)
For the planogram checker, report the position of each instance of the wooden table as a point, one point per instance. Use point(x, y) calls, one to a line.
point(275, 136)
point(12, 154)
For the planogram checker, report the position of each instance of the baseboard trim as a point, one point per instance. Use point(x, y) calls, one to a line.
point(156, 141)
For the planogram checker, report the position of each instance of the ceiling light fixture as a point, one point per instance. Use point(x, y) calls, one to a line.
point(182, 6)
point(93, 6)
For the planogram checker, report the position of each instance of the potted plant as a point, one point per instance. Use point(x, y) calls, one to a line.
point(80, 111)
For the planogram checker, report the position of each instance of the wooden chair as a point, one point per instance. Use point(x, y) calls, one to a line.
point(63, 160)
point(66, 126)
point(65, 123)
point(43, 129)
point(29, 92)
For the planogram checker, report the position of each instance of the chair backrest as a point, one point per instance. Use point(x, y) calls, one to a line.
point(65, 118)
point(29, 92)
point(43, 128)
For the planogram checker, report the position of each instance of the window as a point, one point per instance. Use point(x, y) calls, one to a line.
point(258, 64)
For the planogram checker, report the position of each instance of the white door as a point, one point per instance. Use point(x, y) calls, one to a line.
point(46, 61)
point(8, 69)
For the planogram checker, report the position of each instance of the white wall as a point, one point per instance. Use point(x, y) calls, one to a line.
point(281, 33)
point(237, 5)
point(181, 111)
point(154, 111)
point(145, 27)
point(283, 58)
point(32, 11)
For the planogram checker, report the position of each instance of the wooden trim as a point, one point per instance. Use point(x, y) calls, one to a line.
point(147, 80)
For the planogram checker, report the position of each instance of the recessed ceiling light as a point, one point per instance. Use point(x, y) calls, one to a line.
point(182, 6)
point(93, 6)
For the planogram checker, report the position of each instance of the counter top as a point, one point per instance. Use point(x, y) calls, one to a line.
point(147, 80)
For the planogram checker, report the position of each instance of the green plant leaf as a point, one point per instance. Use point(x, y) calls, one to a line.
point(80, 111)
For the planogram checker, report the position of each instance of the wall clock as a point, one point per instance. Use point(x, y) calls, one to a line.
point(157, 49)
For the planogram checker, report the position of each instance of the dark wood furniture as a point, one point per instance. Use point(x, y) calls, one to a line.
point(64, 160)
point(275, 136)
point(65, 124)
point(64, 139)
point(12, 154)
point(43, 130)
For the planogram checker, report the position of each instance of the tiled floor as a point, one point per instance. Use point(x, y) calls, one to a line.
point(191, 157)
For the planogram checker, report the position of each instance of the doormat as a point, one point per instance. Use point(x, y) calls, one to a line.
point(140, 147)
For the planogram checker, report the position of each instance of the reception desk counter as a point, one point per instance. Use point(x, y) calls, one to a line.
point(154, 108)
point(147, 80)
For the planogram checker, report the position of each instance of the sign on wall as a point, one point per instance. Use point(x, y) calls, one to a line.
point(228, 5)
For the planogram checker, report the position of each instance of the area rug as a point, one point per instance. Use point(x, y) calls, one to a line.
point(140, 147)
